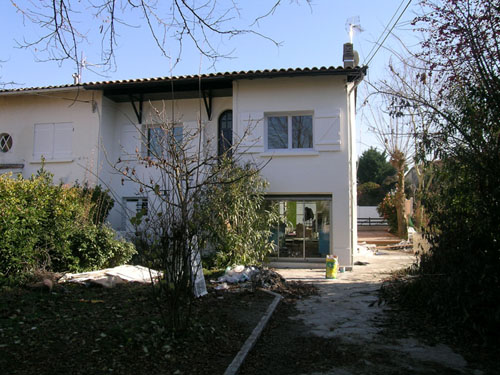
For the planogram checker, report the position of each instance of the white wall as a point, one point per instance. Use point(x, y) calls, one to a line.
point(324, 170)
point(120, 118)
point(100, 125)
point(20, 112)
point(368, 211)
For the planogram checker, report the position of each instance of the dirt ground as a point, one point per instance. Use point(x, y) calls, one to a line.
point(344, 330)
point(79, 330)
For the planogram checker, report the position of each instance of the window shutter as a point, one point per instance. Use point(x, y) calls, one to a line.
point(63, 140)
point(43, 144)
point(251, 132)
point(327, 131)
point(189, 135)
point(130, 141)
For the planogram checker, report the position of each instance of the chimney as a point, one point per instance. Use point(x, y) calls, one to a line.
point(348, 57)
point(76, 78)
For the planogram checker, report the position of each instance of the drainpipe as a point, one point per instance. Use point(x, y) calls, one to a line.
point(351, 60)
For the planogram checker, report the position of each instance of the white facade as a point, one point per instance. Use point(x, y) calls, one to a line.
point(62, 125)
point(81, 132)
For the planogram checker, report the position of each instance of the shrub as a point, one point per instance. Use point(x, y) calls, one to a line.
point(237, 219)
point(100, 202)
point(387, 209)
point(95, 247)
point(370, 194)
point(46, 226)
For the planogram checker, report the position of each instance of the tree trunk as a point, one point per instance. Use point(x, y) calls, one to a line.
point(398, 161)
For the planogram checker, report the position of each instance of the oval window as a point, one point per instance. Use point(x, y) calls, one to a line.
point(5, 142)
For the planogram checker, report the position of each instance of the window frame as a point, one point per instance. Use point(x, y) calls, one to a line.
point(6, 142)
point(304, 199)
point(141, 201)
point(289, 115)
point(147, 135)
point(220, 138)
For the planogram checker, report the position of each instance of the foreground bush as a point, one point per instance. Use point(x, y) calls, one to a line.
point(236, 217)
point(43, 226)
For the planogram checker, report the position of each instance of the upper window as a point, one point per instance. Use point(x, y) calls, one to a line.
point(53, 141)
point(225, 134)
point(157, 142)
point(5, 142)
point(289, 132)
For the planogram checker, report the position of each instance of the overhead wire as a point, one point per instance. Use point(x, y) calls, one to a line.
point(386, 26)
point(378, 45)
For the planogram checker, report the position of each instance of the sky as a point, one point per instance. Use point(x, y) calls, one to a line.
point(309, 36)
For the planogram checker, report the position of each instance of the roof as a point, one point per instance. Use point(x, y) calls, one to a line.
point(219, 83)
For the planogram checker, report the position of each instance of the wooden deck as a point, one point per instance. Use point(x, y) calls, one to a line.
point(379, 236)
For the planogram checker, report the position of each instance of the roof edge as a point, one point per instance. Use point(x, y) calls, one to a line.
point(355, 72)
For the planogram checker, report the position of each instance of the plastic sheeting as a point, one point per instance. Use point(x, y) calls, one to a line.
point(110, 277)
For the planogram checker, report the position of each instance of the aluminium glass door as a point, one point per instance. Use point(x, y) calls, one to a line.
point(305, 228)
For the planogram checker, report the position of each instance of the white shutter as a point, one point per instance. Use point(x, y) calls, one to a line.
point(130, 141)
point(190, 134)
point(327, 131)
point(250, 132)
point(63, 140)
point(43, 143)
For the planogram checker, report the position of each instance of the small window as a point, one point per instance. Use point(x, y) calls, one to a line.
point(133, 206)
point(289, 132)
point(5, 142)
point(157, 142)
point(225, 134)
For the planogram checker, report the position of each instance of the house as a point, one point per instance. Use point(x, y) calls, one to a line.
point(300, 120)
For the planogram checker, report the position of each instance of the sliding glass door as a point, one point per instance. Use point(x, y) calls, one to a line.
point(305, 228)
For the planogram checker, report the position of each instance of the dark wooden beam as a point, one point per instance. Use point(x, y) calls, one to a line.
point(138, 112)
point(208, 103)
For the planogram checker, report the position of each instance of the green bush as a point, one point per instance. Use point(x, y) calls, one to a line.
point(237, 219)
point(95, 247)
point(370, 194)
point(42, 225)
point(387, 208)
point(100, 202)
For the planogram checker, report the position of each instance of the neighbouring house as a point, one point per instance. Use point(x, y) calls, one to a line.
point(301, 120)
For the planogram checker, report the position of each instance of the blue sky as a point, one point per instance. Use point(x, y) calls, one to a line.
point(309, 35)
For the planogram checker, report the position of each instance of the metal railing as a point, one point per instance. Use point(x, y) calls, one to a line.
point(371, 221)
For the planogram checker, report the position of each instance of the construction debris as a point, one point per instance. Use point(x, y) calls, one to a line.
point(403, 245)
point(240, 278)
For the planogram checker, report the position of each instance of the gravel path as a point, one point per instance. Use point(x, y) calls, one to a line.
point(343, 330)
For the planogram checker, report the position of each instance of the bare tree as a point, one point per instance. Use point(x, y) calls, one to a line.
point(402, 124)
point(391, 134)
point(175, 170)
point(68, 25)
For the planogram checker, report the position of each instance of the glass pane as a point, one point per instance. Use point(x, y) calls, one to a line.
point(310, 230)
point(178, 134)
point(290, 245)
point(323, 227)
point(277, 132)
point(306, 231)
point(155, 141)
point(225, 140)
point(302, 134)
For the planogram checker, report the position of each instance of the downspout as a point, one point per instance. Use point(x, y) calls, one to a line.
point(349, 91)
point(95, 108)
